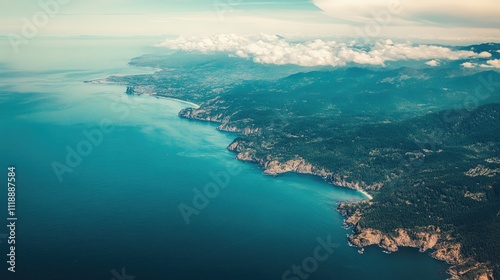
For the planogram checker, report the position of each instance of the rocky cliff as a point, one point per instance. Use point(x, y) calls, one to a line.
point(430, 238)
point(273, 166)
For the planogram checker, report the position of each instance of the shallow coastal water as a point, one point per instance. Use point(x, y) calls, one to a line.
point(119, 206)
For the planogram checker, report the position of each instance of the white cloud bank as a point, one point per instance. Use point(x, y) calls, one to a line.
point(270, 49)
point(432, 63)
point(468, 65)
point(494, 63)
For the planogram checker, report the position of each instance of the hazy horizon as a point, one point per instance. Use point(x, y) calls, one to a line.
point(453, 21)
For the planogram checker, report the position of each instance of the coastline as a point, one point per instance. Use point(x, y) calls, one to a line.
point(442, 249)
point(369, 196)
point(266, 171)
point(152, 94)
point(430, 239)
point(196, 106)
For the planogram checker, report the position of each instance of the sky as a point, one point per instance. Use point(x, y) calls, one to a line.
point(457, 21)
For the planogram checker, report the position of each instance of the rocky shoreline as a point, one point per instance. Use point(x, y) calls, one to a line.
point(430, 239)
point(272, 166)
point(442, 246)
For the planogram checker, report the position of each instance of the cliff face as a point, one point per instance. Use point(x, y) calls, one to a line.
point(343, 182)
point(271, 165)
point(401, 238)
point(363, 237)
point(200, 114)
point(430, 238)
point(297, 165)
point(448, 252)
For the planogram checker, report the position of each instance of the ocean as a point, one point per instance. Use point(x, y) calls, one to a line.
point(116, 187)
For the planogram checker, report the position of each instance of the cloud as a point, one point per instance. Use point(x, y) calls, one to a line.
point(484, 55)
point(494, 63)
point(271, 49)
point(432, 63)
point(468, 65)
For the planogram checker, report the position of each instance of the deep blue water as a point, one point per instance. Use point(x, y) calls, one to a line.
point(119, 206)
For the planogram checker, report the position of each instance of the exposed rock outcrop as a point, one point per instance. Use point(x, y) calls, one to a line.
point(297, 165)
point(201, 115)
point(430, 238)
point(422, 240)
point(343, 182)
point(482, 170)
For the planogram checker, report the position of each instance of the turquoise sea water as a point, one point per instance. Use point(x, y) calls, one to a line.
point(119, 205)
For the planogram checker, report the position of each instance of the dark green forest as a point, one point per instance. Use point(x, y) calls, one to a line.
point(425, 142)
